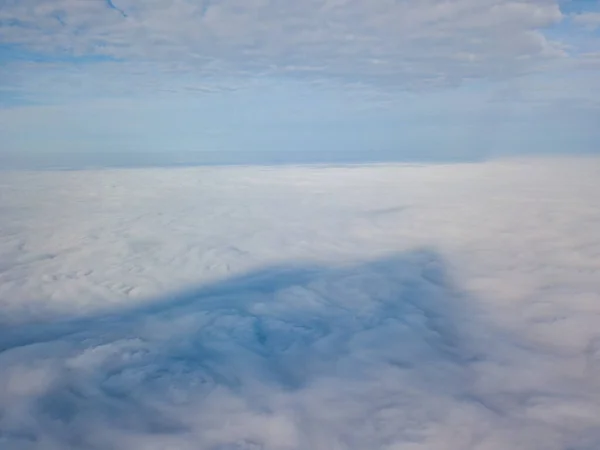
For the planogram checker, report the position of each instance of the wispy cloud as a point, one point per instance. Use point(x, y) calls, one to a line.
point(411, 42)
point(347, 55)
point(590, 20)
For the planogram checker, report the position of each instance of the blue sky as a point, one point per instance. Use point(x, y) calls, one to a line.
point(417, 79)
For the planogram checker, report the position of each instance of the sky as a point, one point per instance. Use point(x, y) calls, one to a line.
point(179, 81)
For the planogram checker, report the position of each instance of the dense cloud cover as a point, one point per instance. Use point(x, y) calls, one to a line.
point(384, 307)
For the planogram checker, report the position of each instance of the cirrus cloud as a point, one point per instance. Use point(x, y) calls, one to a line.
point(429, 42)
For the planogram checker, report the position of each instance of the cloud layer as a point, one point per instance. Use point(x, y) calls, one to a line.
point(431, 78)
point(416, 43)
point(438, 307)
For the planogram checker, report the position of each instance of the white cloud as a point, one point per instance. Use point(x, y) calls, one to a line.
point(402, 43)
point(437, 306)
point(590, 20)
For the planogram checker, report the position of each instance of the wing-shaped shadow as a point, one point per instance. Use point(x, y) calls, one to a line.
point(264, 345)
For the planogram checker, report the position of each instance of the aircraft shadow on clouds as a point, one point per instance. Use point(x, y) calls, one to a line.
point(275, 332)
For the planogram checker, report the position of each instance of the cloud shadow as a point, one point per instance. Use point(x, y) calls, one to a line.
point(274, 343)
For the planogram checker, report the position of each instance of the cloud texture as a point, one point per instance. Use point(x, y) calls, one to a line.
point(432, 79)
point(386, 306)
point(423, 42)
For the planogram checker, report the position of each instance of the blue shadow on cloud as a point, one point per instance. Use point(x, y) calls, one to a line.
point(277, 330)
